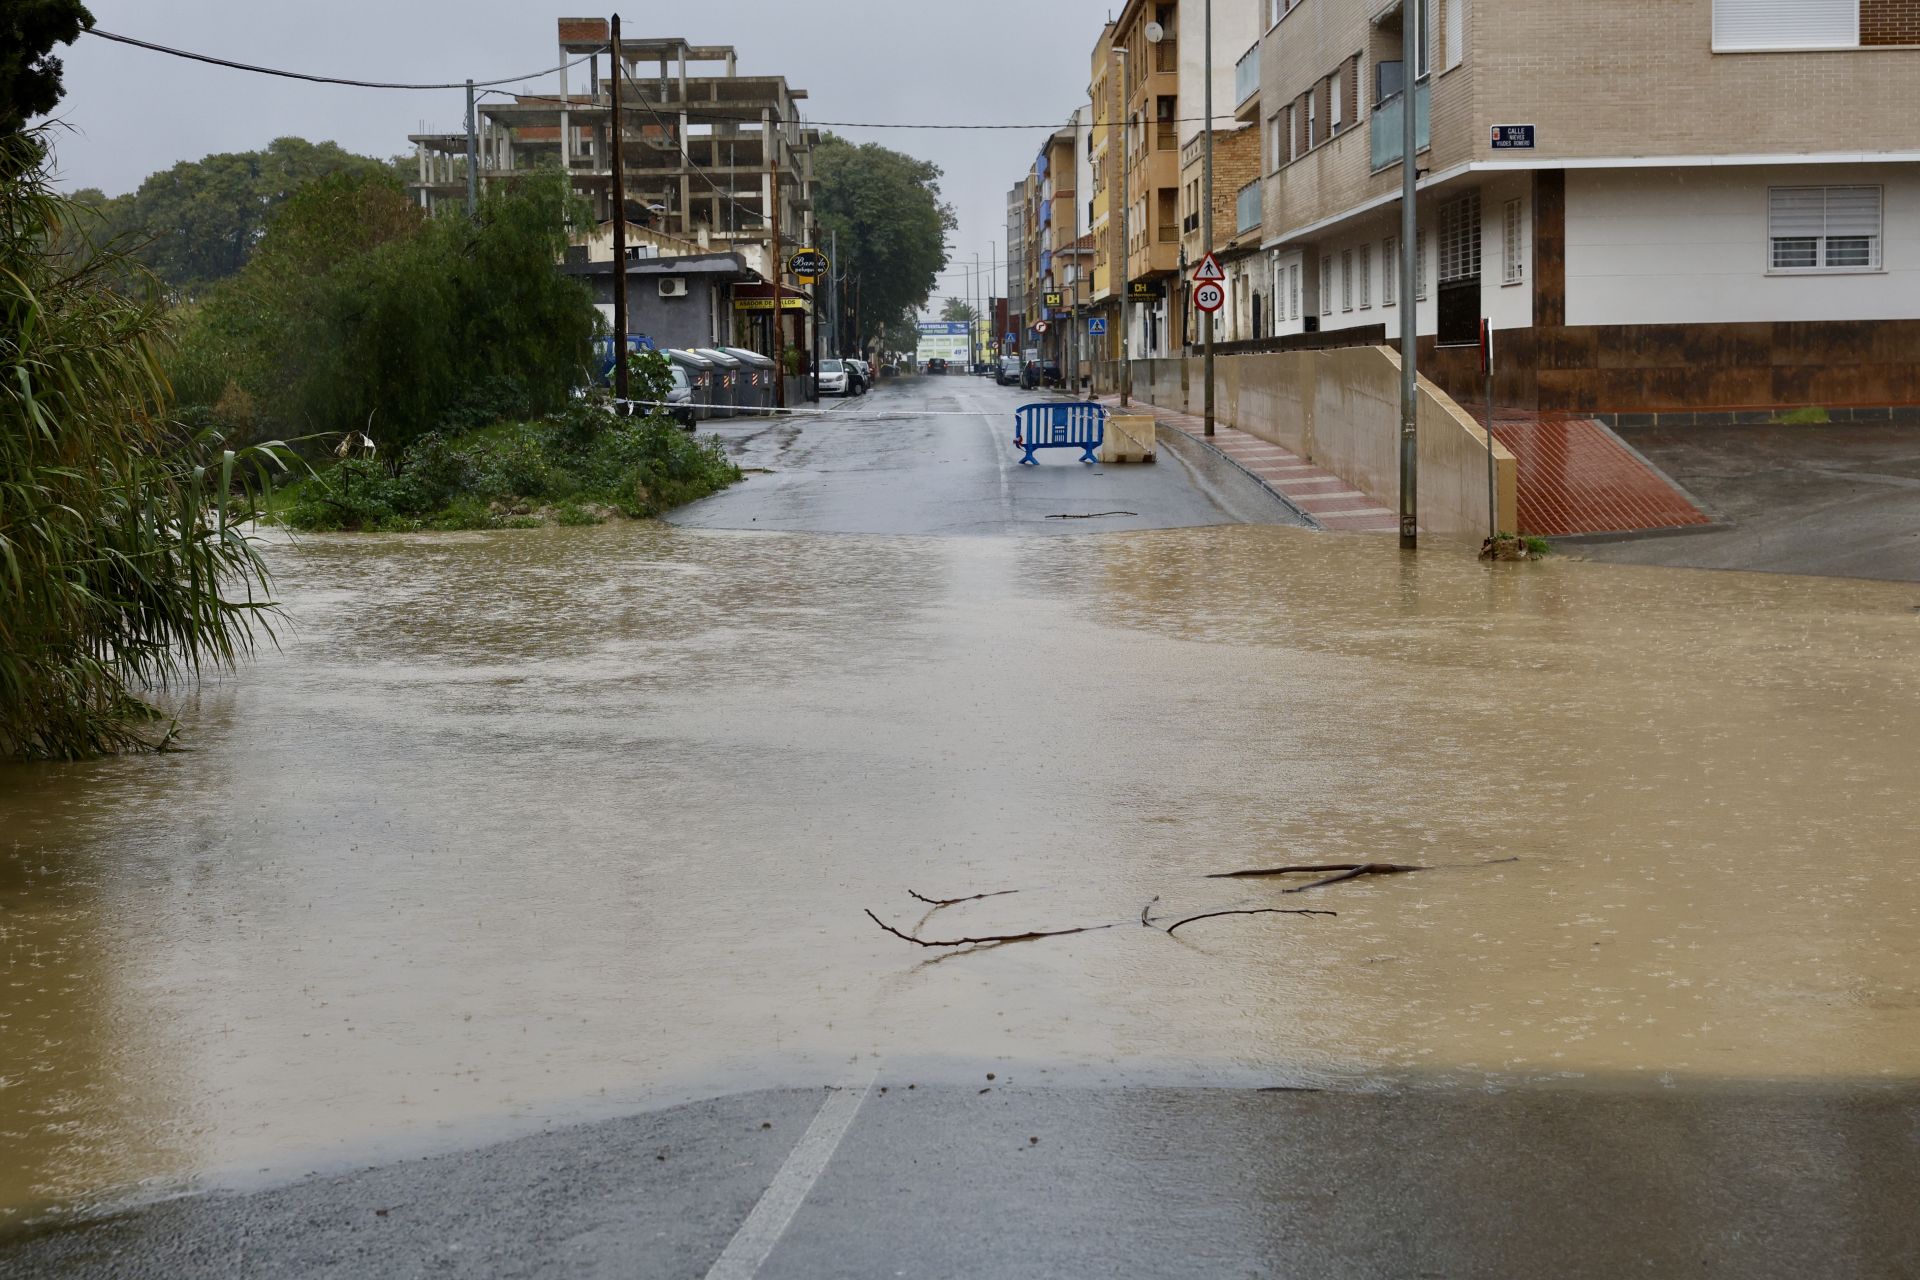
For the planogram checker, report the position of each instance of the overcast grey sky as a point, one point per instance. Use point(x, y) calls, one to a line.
point(974, 61)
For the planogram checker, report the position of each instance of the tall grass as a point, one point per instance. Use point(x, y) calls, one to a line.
point(126, 561)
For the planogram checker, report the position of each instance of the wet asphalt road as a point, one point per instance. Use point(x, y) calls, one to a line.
point(878, 1179)
point(871, 465)
point(896, 1176)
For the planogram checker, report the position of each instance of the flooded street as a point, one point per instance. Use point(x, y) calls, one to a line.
point(534, 826)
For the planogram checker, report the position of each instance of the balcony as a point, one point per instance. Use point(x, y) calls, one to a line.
point(1247, 208)
point(1246, 77)
point(1387, 125)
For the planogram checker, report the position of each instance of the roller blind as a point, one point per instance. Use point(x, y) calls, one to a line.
point(1786, 24)
point(1833, 228)
point(1456, 33)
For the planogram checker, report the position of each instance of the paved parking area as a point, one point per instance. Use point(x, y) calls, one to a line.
point(1840, 499)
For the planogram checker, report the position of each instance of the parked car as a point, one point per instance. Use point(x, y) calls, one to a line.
point(863, 375)
point(1008, 374)
point(835, 378)
point(680, 404)
point(938, 365)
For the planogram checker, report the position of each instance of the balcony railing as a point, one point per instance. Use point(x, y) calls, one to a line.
point(1246, 77)
point(1166, 135)
point(1388, 124)
point(1247, 208)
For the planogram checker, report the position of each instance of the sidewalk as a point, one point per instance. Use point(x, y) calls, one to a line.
point(1324, 498)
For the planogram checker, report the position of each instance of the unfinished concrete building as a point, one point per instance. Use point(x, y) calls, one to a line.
point(699, 149)
point(708, 155)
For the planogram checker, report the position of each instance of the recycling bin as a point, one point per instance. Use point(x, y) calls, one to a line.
point(756, 379)
point(704, 376)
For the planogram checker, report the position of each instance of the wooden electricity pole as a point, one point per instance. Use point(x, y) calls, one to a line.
point(619, 235)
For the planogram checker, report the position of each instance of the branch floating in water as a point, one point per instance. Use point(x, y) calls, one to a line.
point(990, 938)
point(1252, 911)
point(951, 902)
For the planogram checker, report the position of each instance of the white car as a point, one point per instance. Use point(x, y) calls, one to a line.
point(835, 379)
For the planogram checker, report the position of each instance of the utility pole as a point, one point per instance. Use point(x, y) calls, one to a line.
point(1409, 308)
point(1124, 286)
point(833, 289)
point(973, 325)
point(619, 231)
point(779, 334)
point(1206, 209)
point(473, 156)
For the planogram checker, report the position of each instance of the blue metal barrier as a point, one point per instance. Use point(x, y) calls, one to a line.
point(1060, 424)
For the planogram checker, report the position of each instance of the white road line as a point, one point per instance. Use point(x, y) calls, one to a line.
point(754, 1241)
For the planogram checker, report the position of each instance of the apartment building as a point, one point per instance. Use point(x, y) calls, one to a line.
point(1017, 253)
point(1103, 222)
point(1658, 207)
point(708, 155)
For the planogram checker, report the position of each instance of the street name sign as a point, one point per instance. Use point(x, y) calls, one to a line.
point(1513, 137)
point(1096, 325)
point(1209, 295)
point(1209, 269)
point(808, 264)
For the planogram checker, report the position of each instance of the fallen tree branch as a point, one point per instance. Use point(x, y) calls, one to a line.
point(990, 938)
point(1342, 870)
point(1252, 911)
point(1144, 922)
point(1094, 515)
point(950, 902)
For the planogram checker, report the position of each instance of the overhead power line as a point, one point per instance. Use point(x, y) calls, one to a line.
point(314, 79)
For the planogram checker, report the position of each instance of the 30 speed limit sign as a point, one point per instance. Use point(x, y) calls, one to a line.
point(1209, 295)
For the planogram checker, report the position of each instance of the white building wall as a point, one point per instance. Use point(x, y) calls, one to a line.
point(1690, 246)
point(1237, 25)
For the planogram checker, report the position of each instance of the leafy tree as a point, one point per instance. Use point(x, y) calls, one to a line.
point(359, 314)
point(30, 83)
point(123, 552)
point(207, 216)
point(892, 225)
point(959, 309)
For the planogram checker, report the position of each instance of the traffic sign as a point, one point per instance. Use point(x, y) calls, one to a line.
point(808, 264)
point(1096, 325)
point(1010, 339)
point(1209, 295)
point(1040, 326)
point(1209, 269)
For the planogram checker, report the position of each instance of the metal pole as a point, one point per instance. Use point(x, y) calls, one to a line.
point(973, 325)
point(1409, 308)
point(1493, 512)
point(619, 232)
point(833, 290)
point(779, 334)
point(473, 156)
point(1124, 285)
point(1206, 207)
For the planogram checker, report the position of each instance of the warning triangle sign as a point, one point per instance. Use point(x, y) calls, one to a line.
point(1209, 269)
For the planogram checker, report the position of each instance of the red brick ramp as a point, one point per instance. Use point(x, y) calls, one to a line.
point(1576, 476)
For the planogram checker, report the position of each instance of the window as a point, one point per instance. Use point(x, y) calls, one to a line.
point(1313, 117)
point(1366, 277)
point(1420, 265)
point(1276, 141)
point(1456, 33)
point(1423, 63)
point(1389, 270)
point(1293, 286)
point(1512, 268)
point(1346, 279)
point(1326, 285)
point(1460, 239)
point(1336, 108)
point(1823, 228)
point(1786, 24)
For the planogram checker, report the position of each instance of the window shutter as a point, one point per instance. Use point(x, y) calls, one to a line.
point(1350, 81)
point(1797, 212)
point(1456, 33)
point(1786, 24)
point(1853, 211)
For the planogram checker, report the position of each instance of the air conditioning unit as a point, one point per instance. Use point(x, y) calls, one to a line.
point(673, 287)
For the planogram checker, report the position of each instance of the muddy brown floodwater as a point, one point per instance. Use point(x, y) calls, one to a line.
point(527, 827)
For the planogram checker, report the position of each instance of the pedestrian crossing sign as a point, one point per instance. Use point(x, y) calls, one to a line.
point(1209, 269)
point(1096, 325)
